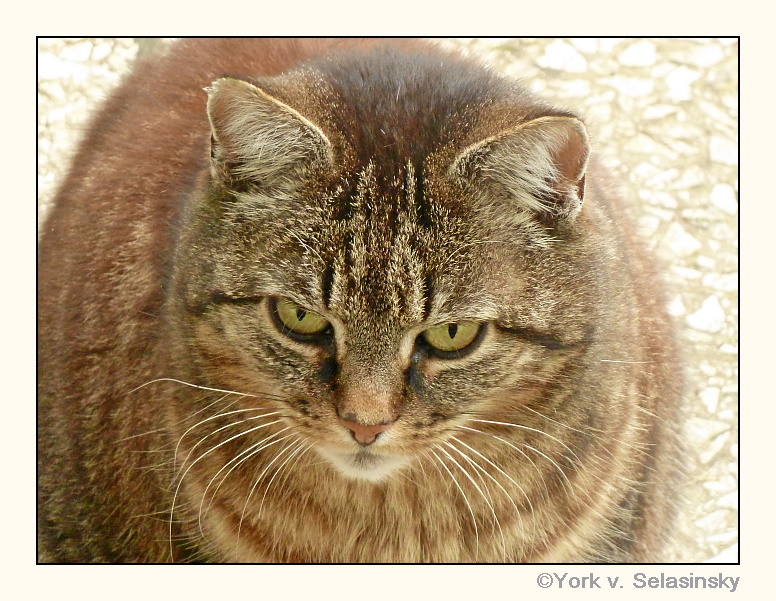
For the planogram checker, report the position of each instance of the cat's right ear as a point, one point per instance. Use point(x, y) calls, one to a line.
point(257, 138)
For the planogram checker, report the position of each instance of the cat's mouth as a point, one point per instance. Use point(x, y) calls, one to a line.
point(363, 464)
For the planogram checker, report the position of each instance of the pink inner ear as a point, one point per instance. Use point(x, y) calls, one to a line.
point(571, 158)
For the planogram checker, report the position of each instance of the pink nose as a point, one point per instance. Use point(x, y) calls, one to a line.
point(364, 434)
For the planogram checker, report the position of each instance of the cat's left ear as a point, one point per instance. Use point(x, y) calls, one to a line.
point(258, 138)
point(537, 167)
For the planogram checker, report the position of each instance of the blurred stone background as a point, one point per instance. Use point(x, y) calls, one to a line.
point(663, 116)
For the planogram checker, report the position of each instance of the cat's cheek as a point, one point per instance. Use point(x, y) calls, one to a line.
point(223, 355)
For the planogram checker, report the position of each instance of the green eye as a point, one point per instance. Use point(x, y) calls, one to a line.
point(299, 320)
point(452, 336)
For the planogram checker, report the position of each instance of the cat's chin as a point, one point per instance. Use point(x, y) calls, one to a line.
point(363, 464)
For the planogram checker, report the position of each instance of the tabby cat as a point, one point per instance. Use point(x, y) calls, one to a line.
point(346, 301)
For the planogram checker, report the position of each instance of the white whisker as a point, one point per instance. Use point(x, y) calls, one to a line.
point(298, 445)
point(527, 458)
point(197, 386)
point(258, 479)
point(157, 431)
point(160, 430)
point(466, 500)
point(197, 460)
point(615, 361)
point(237, 460)
point(229, 425)
point(487, 499)
point(568, 448)
point(507, 476)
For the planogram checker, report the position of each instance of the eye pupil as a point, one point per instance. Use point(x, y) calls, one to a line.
point(293, 318)
point(452, 337)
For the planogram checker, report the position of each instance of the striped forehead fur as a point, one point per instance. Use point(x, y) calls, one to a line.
point(378, 261)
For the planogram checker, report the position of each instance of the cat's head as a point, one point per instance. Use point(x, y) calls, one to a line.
point(385, 250)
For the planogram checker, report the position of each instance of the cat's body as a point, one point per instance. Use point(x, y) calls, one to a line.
point(391, 314)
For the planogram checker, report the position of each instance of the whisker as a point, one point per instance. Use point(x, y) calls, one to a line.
point(237, 460)
point(206, 407)
point(566, 481)
point(197, 386)
point(482, 494)
point(305, 449)
point(466, 500)
point(603, 448)
point(527, 458)
point(180, 481)
point(298, 445)
point(229, 425)
point(568, 448)
point(160, 430)
point(256, 483)
point(549, 419)
point(226, 393)
point(614, 361)
point(157, 431)
point(507, 476)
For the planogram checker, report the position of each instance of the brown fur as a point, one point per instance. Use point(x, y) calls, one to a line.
point(390, 188)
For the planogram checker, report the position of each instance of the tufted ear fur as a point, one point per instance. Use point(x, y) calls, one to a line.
point(538, 167)
point(257, 138)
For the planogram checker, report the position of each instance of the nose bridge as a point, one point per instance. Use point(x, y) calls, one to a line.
point(370, 388)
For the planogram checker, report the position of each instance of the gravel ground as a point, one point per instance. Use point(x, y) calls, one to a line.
point(663, 116)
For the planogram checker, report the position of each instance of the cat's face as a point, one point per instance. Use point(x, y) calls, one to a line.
point(374, 309)
point(369, 321)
